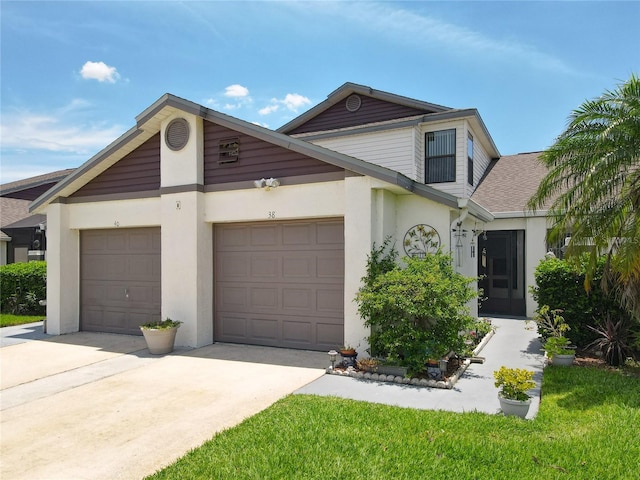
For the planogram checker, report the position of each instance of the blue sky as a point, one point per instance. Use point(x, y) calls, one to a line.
point(75, 74)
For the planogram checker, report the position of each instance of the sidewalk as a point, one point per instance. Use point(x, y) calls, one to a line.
point(515, 345)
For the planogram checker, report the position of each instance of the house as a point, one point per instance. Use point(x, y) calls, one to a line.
point(261, 237)
point(22, 236)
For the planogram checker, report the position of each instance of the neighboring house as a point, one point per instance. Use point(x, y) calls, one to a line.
point(22, 235)
point(261, 237)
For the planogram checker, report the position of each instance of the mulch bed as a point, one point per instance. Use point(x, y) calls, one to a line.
point(587, 358)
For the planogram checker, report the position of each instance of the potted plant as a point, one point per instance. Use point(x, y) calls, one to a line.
point(160, 336)
point(349, 355)
point(513, 384)
point(559, 351)
point(368, 364)
point(552, 327)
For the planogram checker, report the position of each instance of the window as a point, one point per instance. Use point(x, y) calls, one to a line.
point(440, 156)
point(228, 150)
point(470, 159)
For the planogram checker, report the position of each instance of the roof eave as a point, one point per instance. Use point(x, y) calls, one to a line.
point(83, 169)
point(349, 88)
point(320, 153)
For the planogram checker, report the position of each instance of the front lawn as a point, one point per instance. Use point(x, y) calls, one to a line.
point(8, 320)
point(587, 427)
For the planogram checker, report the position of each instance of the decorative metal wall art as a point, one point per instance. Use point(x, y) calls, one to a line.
point(421, 240)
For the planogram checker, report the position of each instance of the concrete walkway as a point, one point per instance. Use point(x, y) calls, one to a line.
point(98, 406)
point(515, 344)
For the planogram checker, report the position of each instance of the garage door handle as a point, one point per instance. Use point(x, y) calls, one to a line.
point(126, 292)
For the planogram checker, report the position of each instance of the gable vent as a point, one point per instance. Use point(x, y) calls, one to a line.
point(353, 103)
point(176, 135)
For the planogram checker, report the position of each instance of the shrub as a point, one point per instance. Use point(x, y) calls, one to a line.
point(22, 286)
point(514, 382)
point(560, 285)
point(417, 312)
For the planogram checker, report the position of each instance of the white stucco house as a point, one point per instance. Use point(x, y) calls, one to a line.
point(256, 236)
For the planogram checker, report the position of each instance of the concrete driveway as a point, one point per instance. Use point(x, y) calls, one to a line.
point(98, 406)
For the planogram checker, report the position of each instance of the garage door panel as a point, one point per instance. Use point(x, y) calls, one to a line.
point(297, 267)
point(232, 237)
point(264, 297)
point(326, 334)
point(330, 266)
point(297, 332)
point(233, 327)
point(120, 279)
point(297, 234)
point(330, 233)
point(297, 298)
point(116, 241)
point(263, 236)
point(265, 266)
point(292, 292)
point(330, 301)
point(232, 298)
point(264, 330)
point(233, 266)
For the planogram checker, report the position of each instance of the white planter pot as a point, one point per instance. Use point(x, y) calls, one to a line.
point(518, 408)
point(562, 360)
point(160, 341)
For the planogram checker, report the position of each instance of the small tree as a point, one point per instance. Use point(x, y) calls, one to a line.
point(417, 312)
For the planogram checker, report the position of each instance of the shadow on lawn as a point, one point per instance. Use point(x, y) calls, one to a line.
point(581, 388)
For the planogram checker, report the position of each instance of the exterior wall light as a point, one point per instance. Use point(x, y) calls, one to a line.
point(267, 183)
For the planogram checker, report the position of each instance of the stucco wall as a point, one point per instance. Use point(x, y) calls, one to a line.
point(372, 210)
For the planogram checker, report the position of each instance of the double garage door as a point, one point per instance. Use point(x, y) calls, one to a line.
point(280, 284)
point(276, 283)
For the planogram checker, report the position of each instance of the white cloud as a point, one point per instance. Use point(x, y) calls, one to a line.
point(55, 131)
point(291, 101)
point(415, 28)
point(236, 91)
point(269, 109)
point(294, 101)
point(99, 71)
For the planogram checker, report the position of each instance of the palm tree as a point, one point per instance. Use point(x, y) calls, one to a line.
point(592, 188)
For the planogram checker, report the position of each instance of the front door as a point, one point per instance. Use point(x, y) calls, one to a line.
point(501, 270)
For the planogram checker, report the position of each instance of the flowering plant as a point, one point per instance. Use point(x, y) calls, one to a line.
point(514, 382)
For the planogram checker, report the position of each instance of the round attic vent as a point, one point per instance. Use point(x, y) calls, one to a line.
point(176, 135)
point(353, 103)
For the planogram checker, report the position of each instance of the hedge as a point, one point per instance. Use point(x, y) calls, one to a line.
point(560, 285)
point(22, 286)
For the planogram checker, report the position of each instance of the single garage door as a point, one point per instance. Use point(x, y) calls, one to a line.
point(280, 284)
point(120, 279)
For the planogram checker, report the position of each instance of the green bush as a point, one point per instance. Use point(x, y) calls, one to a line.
point(22, 286)
point(417, 312)
point(560, 285)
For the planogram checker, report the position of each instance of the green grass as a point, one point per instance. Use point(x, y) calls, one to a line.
point(8, 320)
point(588, 427)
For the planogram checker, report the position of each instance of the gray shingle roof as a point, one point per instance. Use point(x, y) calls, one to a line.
point(12, 210)
point(509, 183)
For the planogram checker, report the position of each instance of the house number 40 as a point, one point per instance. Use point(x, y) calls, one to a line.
point(271, 214)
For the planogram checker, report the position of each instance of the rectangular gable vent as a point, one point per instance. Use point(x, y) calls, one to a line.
point(228, 151)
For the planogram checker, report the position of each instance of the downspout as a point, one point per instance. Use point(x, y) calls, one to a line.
point(456, 227)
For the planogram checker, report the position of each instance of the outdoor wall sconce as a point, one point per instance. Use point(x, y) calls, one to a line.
point(267, 183)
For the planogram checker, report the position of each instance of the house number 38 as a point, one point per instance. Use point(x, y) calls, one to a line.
point(271, 214)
